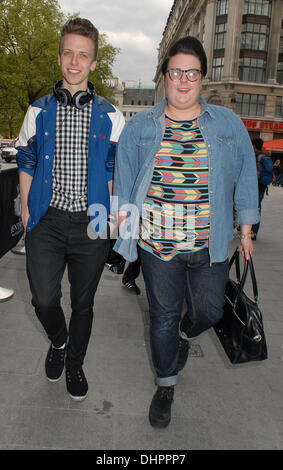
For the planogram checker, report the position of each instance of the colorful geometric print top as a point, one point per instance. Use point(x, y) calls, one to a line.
point(175, 215)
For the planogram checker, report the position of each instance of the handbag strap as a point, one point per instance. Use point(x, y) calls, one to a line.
point(241, 279)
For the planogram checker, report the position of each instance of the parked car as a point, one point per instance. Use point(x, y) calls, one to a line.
point(9, 153)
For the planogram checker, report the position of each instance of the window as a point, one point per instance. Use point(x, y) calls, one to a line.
point(279, 107)
point(281, 39)
point(220, 36)
point(250, 105)
point(252, 70)
point(255, 37)
point(280, 73)
point(222, 7)
point(257, 7)
point(217, 69)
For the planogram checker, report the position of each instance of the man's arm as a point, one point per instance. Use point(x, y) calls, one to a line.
point(25, 183)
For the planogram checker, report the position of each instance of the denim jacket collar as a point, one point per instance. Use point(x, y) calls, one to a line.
point(158, 109)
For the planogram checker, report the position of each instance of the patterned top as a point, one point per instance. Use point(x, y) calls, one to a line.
point(175, 215)
point(70, 166)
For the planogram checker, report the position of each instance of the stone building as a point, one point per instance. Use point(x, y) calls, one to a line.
point(243, 40)
point(130, 97)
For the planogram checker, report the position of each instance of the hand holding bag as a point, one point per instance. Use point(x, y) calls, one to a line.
point(240, 330)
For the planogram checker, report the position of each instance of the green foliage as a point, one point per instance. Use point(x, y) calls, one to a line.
point(29, 41)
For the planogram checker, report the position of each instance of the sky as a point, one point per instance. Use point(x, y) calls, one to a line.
point(135, 26)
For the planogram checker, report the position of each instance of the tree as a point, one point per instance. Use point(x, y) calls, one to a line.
point(29, 42)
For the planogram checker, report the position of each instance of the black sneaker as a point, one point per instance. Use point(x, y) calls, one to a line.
point(76, 384)
point(132, 287)
point(160, 408)
point(184, 347)
point(117, 268)
point(54, 363)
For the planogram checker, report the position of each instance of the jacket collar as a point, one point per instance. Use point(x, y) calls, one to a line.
point(158, 109)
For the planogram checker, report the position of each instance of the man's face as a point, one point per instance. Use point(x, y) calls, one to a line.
point(183, 94)
point(76, 61)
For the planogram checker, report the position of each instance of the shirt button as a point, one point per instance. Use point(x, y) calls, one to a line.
point(101, 115)
point(45, 181)
point(94, 136)
point(46, 156)
point(46, 133)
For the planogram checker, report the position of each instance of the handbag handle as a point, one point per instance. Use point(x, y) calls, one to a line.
point(248, 266)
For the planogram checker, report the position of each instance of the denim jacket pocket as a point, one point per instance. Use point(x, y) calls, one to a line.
point(225, 150)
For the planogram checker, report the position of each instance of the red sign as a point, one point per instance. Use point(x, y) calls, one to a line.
point(268, 125)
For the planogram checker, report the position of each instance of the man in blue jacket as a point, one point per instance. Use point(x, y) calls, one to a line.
point(66, 150)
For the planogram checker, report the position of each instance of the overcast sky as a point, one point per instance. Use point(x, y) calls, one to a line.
point(135, 26)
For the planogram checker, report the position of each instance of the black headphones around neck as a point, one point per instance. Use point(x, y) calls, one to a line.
point(79, 100)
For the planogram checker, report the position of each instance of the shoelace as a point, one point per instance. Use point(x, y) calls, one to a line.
point(74, 376)
point(166, 392)
point(57, 355)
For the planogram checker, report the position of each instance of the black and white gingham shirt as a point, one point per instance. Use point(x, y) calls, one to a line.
point(70, 166)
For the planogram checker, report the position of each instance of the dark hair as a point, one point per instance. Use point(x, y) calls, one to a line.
point(258, 143)
point(84, 28)
point(187, 45)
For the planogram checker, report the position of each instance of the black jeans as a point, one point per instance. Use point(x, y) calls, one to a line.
point(60, 239)
point(168, 283)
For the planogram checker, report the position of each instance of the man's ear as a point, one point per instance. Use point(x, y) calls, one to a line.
point(93, 65)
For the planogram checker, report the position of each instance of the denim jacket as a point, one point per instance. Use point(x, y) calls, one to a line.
point(232, 178)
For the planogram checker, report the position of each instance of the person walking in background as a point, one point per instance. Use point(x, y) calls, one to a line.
point(66, 150)
point(264, 174)
point(276, 172)
point(280, 179)
point(116, 263)
point(179, 168)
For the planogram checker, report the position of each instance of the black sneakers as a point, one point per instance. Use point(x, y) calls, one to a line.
point(54, 363)
point(131, 285)
point(117, 268)
point(184, 347)
point(77, 385)
point(160, 408)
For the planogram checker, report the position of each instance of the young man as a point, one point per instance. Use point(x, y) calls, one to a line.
point(66, 150)
point(180, 168)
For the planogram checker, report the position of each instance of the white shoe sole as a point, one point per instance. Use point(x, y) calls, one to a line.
point(74, 398)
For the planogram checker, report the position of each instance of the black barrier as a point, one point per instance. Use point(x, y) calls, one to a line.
point(11, 228)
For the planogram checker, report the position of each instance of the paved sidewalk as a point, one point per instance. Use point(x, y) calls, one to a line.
point(217, 405)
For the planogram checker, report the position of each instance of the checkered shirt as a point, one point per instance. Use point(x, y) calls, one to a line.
point(70, 166)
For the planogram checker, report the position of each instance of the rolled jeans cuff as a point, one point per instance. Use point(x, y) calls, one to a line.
point(166, 381)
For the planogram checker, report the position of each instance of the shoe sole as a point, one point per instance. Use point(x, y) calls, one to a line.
point(53, 380)
point(156, 423)
point(74, 398)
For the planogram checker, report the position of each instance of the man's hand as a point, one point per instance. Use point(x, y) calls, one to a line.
point(25, 217)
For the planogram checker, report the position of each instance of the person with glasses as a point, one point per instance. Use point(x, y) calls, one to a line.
point(180, 169)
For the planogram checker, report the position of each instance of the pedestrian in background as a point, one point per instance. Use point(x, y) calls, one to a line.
point(180, 166)
point(264, 175)
point(66, 150)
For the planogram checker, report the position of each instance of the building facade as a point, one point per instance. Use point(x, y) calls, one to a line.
point(130, 97)
point(243, 40)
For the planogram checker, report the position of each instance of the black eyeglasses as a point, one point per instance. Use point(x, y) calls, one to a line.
point(191, 74)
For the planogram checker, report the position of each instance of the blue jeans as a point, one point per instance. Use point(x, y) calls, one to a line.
point(168, 283)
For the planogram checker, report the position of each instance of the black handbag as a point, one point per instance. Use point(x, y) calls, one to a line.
point(240, 330)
